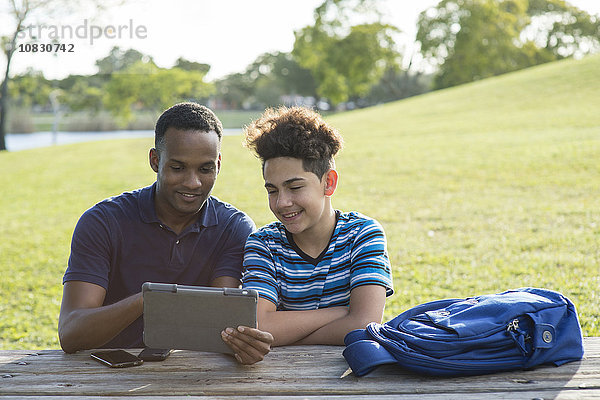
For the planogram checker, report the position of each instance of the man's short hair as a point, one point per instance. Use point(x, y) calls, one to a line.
point(186, 116)
point(296, 132)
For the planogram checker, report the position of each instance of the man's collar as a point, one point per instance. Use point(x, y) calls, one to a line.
point(146, 204)
point(208, 214)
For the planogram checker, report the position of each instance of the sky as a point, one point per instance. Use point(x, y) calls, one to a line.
point(227, 34)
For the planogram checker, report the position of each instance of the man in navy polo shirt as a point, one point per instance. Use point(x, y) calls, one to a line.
point(173, 231)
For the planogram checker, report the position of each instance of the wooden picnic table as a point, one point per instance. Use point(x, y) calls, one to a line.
point(295, 372)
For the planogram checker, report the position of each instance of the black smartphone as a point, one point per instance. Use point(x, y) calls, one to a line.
point(116, 358)
point(150, 354)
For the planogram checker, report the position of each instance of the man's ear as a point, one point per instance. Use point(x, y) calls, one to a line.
point(153, 157)
point(219, 164)
point(331, 181)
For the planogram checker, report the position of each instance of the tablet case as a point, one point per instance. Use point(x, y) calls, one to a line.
point(192, 317)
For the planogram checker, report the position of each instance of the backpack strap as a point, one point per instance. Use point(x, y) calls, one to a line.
point(363, 354)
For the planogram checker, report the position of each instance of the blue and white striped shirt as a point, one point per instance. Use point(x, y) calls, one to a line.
point(356, 255)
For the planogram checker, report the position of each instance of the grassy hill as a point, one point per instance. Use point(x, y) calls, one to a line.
point(481, 188)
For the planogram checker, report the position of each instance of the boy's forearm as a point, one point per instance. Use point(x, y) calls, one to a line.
point(366, 305)
point(334, 332)
point(289, 327)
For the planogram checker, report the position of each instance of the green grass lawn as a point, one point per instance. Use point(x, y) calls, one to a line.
point(480, 188)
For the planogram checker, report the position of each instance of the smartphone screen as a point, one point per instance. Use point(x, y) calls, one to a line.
point(116, 358)
point(150, 354)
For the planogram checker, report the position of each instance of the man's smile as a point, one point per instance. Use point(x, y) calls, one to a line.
point(190, 196)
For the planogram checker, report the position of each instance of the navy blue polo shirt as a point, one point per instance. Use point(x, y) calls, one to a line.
point(120, 243)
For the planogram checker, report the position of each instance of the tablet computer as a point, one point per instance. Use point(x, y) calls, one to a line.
point(192, 317)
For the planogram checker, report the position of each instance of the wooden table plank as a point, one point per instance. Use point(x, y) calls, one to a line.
point(287, 372)
point(588, 395)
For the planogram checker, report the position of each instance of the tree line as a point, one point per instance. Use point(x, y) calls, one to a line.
point(336, 62)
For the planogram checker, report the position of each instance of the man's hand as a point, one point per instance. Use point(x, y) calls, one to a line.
point(249, 345)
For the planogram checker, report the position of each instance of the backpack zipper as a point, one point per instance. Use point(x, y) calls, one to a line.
point(513, 325)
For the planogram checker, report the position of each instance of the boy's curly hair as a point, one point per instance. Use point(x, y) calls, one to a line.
point(296, 132)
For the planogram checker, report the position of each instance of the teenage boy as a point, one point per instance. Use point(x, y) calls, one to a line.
point(172, 231)
point(320, 273)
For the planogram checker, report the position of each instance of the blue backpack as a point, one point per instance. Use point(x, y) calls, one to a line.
point(516, 329)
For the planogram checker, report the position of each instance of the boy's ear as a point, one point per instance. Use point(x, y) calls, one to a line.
point(331, 181)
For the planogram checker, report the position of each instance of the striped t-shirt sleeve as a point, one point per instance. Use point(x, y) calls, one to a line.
point(259, 269)
point(370, 264)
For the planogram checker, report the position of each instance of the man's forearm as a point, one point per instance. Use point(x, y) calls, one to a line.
point(87, 328)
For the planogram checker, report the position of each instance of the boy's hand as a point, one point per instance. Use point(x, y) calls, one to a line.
point(249, 345)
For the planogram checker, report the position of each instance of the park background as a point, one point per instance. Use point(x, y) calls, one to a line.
point(472, 135)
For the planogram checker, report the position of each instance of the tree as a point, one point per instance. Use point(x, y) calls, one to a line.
point(475, 39)
point(184, 64)
point(83, 92)
point(118, 60)
point(30, 89)
point(83, 95)
point(282, 70)
point(274, 75)
point(265, 81)
point(345, 60)
point(146, 86)
point(396, 84)
point(562, 29)
point(234, 90)
point(20, 12)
